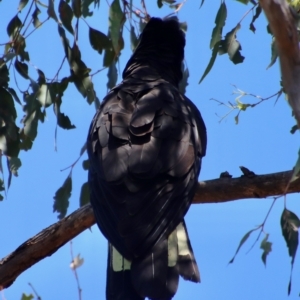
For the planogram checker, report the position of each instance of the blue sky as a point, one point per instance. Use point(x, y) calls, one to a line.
point(261, 142)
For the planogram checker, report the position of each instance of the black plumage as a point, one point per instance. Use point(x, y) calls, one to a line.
point(145, 146)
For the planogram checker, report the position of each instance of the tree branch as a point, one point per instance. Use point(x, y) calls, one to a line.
point(283, 21)
point(55, 236)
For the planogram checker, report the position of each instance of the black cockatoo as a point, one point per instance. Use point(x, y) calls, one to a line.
point(145, 146)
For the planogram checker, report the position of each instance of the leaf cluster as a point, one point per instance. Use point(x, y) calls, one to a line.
point(289, 223)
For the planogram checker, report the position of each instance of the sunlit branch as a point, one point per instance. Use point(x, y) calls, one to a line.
point(55, 236)
point(283, 22)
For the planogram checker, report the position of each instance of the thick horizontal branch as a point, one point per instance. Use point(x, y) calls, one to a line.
point(55, 236)
point(283, 22)
point(258, 186)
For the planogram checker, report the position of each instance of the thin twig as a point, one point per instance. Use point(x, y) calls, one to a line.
point(59, 69)
point(238, 25)
point(73, 164)
point(233, 107)
point(247, 13)
point(100, 70)
point(144, 7)
point(33, 30)
point(262, 225)
point(35, 292)
point(26, 17)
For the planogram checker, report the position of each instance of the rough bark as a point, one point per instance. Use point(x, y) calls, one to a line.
point(283, 21)
point(55, 236)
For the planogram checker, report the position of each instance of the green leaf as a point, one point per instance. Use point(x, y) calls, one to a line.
point(255, 17)
point(7, 56)
point(65, 42)
point(31, 125)
point(289, 225)
point(22, 4)
point(3, 142)
point(64, 121)
point(13, 26)
point(236, 119)
point(26, 142)
point(112, 75)
point(2, 187)
point(231, 46)
point(32, 108)
point(84, 194)
point(66, 15)
point(35, 19)
point(274, 52)
point(4, 76)
point(290, 285)
point(243, 1)
point(99, 41)
point(294, 129)
point(133, 39)
point(86, 164)
point(211, 61)
point(14, 163)
point(76, 5)
point(42, 78)
point(22, 69)
point(27, 297)
point(62, 196)
point(45, 95)
point(83, 149)
point(51, 11)
point(7, 106)
point(296, 170)
point(109, 56)
point(266, 246)
point(242, 106)
point(86, 88)
point(220, 22)
point(19, 47)
point(159, 3)
point(14, 94)
point(243, 240)
point(85, 7)
point(62, 86)
point(116, 21)
point(80, 74)
point(9, 132)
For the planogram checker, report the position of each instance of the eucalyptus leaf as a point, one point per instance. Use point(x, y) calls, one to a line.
point(98, 40)
point(13, 26)
point(62, 196)
point(266, 246)
point(84, 194)
point(22, 4)
point(66, 15)
point(221, 16)
point(116, 21)
point(211, 61)
point(242, 241)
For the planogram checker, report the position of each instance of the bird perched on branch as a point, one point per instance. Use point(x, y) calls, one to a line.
point(145, 146)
